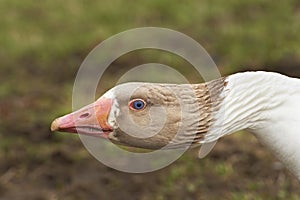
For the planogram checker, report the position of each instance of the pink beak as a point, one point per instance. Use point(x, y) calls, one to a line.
point(89, 120)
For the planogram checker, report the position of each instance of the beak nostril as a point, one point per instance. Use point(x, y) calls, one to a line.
point(84, 115)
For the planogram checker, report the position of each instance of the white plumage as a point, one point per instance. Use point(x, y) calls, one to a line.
point(268, 105)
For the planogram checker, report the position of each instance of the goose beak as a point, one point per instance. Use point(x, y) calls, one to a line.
point(89, 120)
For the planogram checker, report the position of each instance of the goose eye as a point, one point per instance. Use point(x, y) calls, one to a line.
point(137, 104)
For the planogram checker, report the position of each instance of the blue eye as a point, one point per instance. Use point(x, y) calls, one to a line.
point(137, 104)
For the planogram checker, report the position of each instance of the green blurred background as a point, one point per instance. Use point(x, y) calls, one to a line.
point(42, 46)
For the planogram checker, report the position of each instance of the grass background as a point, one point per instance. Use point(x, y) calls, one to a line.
point(42, 46)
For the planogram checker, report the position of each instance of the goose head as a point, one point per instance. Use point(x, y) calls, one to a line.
point(145, 115)
point(152, 116)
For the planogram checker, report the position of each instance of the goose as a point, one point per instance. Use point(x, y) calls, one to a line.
point(266, 104)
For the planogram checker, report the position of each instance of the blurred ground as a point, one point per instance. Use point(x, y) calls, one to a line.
point(43, 44)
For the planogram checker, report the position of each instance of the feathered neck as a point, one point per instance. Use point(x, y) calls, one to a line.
point(247, 97)
point(266, 104)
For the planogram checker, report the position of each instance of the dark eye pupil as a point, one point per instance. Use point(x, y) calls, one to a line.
point(138, 104)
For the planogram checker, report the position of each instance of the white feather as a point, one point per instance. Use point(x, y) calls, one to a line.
point(268, 105)
point(206, 148)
